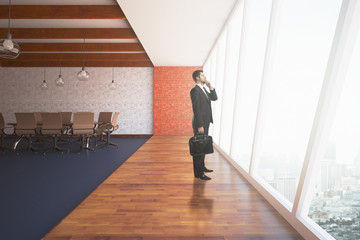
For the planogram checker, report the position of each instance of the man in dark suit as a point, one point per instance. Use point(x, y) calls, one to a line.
point(201, 105)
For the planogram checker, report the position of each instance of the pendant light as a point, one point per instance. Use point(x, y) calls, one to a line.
point(83, 75)
point(44, 85)
point(60, 81)
point(8, 47)
point(112, 85)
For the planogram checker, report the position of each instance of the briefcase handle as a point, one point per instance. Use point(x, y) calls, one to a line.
point(200, 135)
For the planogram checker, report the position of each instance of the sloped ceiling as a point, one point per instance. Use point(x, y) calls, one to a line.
point(177, 32)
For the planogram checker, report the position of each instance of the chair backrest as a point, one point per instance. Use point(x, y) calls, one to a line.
point(83, 123)
point(66, 117)
point(38, 118)
point(52, 124)
point(104, 117)
point(114, 121)
point(2, 122)
point(25, 123)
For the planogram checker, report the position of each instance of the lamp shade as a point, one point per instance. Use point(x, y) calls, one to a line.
point(44, 85)
point(112, 85)
point(59, 81)
point(83, 75)
point(9, 48)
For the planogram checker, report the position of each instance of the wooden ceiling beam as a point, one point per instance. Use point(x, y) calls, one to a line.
point(76, 64)
point(70, 33)
point(62, 12)
point(79, 57)
point(78, 47)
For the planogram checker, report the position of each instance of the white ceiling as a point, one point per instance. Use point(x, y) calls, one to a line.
point(177, 32)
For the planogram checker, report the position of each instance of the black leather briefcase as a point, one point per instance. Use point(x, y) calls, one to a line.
point(201, 144)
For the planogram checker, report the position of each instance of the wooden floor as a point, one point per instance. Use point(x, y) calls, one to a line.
point(154, 196)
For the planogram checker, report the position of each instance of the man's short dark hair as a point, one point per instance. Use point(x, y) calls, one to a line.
point(196, 74)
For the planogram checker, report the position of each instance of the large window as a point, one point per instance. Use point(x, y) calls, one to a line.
point(297, 66)
point(220, 65)
point(288, 80)
point(336, 201)
point(230, 77)
point(255, 32)
point(212, 77)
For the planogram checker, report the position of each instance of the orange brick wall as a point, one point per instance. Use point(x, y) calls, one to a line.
point(172, 104)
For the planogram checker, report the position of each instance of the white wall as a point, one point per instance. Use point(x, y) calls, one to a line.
point(20, 92)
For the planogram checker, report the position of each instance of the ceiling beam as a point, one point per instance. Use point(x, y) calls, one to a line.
point(62, 12)
point(70, 33)
point(76, 64)
point(78, 47)
point(79, 57)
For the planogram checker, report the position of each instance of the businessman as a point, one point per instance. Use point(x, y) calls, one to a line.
point(201, 105)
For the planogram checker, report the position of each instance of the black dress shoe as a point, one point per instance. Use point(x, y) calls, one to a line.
point(204, 177)
point(207, 170)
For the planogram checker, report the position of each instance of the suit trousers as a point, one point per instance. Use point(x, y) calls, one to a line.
point(199, 160)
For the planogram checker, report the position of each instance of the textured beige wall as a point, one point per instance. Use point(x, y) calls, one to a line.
point(20, 92)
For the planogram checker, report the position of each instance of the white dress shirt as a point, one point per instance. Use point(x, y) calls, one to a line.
point(202, 88)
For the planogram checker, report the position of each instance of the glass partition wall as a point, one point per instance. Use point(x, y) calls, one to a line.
point(287, 77)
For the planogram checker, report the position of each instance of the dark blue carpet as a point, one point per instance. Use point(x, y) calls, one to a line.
point(37, 191)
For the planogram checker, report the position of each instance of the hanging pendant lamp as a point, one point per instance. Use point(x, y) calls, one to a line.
point(60, 81)
point(83, 75)
point(9, 48)
point(112, 85)
point(44, 85)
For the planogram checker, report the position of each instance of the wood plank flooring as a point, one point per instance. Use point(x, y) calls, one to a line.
point(154, 196)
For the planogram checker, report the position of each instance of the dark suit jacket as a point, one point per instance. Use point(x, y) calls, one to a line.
point(202, 107)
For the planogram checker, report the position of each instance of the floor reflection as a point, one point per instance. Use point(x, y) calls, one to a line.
point(201, 207)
